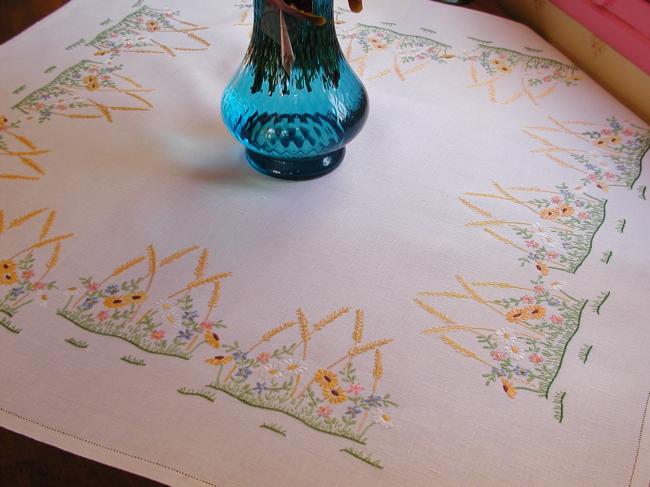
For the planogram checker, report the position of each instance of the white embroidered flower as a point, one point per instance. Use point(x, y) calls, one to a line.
point(549, 240)
point(169, 312)
point(539, 228)
point(382, 418)
point(73, 291)
point(557, 285)
point(514, 353)
point(507, 336)
point(42, 300)
point(272, 370)
point(293, 367)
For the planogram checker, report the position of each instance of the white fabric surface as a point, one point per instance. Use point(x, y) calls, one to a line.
point(388, 225)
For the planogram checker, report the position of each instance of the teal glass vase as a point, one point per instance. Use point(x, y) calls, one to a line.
point(294, 125)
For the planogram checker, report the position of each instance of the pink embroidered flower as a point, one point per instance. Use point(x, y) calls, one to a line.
point(528, 299)
point(158, 334)
point(39, 285)
point(355, 389)
point(552, 254)
point(61, 107)
point(531, 244)
point(547, 78)
point(558, 320)
point(206, 325)
point(628, 133)
point(592, 177)
point(39, 105)
point(325, 411)
point(114, 34)
point(28, 274)
point(92, 286)
point(263, 357)
point(536, 358)
point(105, 77)
point(606, 132)
point(498, 355)
point(539, 289)
point(102, 315)
point(610, 175)
point(583, 215)
point(556, 199)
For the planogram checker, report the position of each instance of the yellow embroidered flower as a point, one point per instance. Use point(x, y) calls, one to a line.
point(334, 395)
point(91, 83)
point(497, 62)
point(153, 26)
point(600, 142)
point(517, 315)
point(508, 388)
point(566, 210)
point(549, 213)
point(219, 360)
point(212, 339)
point(4, 121)
point(614, 139)
point(136, 298)
point(536, 312)
point(7, 265)
point(572, 78)
point(102, 52)
point(116, 301)
point(377, 44)
point(504, 68)
point(8, 278)
point(541, 268)
point(326, 378)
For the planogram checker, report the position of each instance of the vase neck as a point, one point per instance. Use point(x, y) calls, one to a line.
point(324, 8)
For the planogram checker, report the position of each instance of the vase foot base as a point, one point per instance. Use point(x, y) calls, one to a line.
point(295, 169)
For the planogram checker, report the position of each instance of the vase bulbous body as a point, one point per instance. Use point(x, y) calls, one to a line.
point(294, 125)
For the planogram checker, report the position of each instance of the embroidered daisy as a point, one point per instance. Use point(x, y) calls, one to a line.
point(513, 352)
point(382, 418)
point(557, 285)
point(293, 367)
point(539, 228)
point(168, 311)
point(507, 336)
point(272, 370)
point(42, 300)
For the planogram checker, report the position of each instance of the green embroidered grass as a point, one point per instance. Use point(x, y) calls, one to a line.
point(620, 226)
point(130, 359)
point(599, 301)
point(558, 406)
point(6, 323)
point(584, 352)
point(276, 428)
point(207, 395)
point(75, 342)
point(358, 454)
point(606, 257)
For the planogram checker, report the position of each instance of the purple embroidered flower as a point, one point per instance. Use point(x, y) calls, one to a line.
point(580, 204)
point(259, 388)
point(554, 301)
point(186, 334)
point(190, 315)
point(353, 411)
point(240, 356)
point(498, 372)
point(17, 291)
point(374, 401)
point(243, 372)
point(519, 371)
point(112, 289)
point(89, 303)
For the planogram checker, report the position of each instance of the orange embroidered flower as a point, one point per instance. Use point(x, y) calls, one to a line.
point(566, 210)
point(153, 26)
point(572, 78)
point(137, 298)
point(614, 139)
point(326, 378)
point(536, 312)
point(212, 339)
point(116, 301)
point(219, 360)
point(4, 121)
point(497, 62)
point(91, 83)
point(504, 68)
point(508, 388)
point(600, 142)
point(541, 268)
point(549, 213)
point(7, 265)
point(517, 315)
point(8, 278)
point(103, 52)
point(334, 395)
point(377, 44)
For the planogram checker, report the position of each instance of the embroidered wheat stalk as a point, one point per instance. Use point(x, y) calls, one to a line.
point(330, 318)
point(503, 285)
point(458, 347)
point(2, 221)
point(177, 255)
point(16, 222)
point(199, 271)
point(435, 312)
point(304, 331)
point(357, 334)
point(445, 294)
point(47, 226)
point(126, 266)
point(31, 163)
point(277, 330)
point(378, 370)
point(369, 346)
point(438, 330)
point(214, 297)
point(151, 264)
point(503, 239)
point(54, 258)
